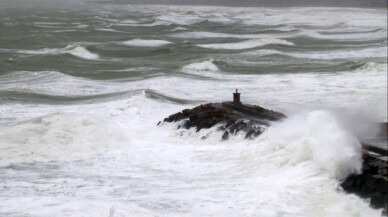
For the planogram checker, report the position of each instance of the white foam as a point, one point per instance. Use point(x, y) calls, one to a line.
point(109, 30)
point(198, 35)
point(81, 52)
point(261, 52)
point(180, 19)
point(246, 44)
point(75, 50)
point(318, 136)
point(342, 54)
point(201, 66)
point(205, 69)
point(146, 43)
point(55, 83)
point(155, 23)
point(178, 29)
point(43, 51)
point(59, 137)
point(18, 78)
point(349, 36)
point(292, 170)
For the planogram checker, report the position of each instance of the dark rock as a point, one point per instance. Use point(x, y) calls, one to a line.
point(252, 120)
point(378, 200)
point(225, 136)
point(250, 134)
point(371, 183)
point(257, 133)
point(232, 118)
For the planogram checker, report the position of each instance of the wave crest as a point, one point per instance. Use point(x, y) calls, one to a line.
point(318, 136)
point(75, 50)
point(58, 137)
point(246, 44)
point(146, 43)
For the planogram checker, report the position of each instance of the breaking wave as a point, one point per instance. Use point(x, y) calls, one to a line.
point(82, 52)
point(59, 137)
point(204, 69)
point(320, 137)
point(342, 54)
point(75, 50)
point(246, 44)
point(146, 43)
point(201, 66)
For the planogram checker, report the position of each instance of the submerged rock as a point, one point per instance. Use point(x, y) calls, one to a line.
point(231, 118)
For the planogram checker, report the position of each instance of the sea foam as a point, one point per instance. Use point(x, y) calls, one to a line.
point(75, 50)
point(246, 44)
point(146, 43)
point(65, 136)
point(317, 136)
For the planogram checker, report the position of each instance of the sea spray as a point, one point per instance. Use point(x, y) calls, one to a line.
point(318, 136)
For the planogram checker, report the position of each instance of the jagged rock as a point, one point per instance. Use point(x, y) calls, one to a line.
point(233, 118)
point(371, 183)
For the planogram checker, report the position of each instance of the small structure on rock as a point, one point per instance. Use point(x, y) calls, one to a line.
point(236, 98)
point(232, 118)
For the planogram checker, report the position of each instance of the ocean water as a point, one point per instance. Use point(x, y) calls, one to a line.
point(82, 91)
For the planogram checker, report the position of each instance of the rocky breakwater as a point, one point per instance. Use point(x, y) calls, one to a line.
point(372, 183)
point(232, 118)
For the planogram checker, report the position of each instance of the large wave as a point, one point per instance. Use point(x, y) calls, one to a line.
point(62, 136)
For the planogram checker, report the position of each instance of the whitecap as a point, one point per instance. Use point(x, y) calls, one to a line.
point(180, 19)
point(75, 50)
point(261, 52)
point(146, 43)
point(63, 136)
point(42, 51)
point(246, 44)
point(370, 52)
point(205, 68)
point(81, 52)
point(199, 35)
point(354, 36)
point(108, 30)
point(178, 29)
point(201, 66)
point(155, 23)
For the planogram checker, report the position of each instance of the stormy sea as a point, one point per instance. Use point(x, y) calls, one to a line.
point(82, 91)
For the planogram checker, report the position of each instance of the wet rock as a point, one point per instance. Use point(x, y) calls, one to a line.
point(232, 118)
point(225, 135)
point(372, 183)
point(251, 120)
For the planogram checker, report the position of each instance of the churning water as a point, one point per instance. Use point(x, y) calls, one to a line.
point(81, 92)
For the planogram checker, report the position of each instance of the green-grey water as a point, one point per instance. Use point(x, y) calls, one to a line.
point(81, 91)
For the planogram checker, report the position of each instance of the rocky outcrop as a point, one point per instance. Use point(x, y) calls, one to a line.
point(372, 183)
point(231, 118)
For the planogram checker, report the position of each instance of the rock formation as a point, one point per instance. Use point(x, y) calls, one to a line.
point(234, 117)
point(230, 117)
